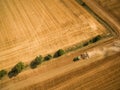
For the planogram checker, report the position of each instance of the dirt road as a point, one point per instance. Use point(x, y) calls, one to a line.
point(86, 74)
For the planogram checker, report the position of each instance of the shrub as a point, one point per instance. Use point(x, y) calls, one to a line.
point(2, 73)
point(85, 43)
point(60, 52)
point(37, 61)
point(81, 2)
point(16, 69)
point(48, 57)
point(95, 39)
point(76, 58)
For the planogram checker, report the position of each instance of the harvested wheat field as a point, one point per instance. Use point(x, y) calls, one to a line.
point(112, 6)
point(29, 28)
point(109, 10)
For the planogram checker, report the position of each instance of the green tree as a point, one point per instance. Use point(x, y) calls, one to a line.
point(86, 43)
point(36, 61)
point(48, 57)
point(59, 53)
point(95, 39)
point(16, 69)
point(2, 73)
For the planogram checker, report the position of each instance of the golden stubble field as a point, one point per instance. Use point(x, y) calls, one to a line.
point(30, 28)
point(113, 7)
point(109, 10)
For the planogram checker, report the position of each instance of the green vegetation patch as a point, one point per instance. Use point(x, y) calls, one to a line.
point(95, 39)
point(16, 69)
point(36, 62)
point(59, 53)
point(2, 73)
point(48, 57)
point(80, 2)
point(76, 58)
point(85, 43)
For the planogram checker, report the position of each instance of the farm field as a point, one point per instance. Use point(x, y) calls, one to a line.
point(30, 28)
point(34, 27)
point(107, 10)
point(80, 74)
point(112, 6)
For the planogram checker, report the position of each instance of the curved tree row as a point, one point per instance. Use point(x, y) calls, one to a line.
point(19, 67)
